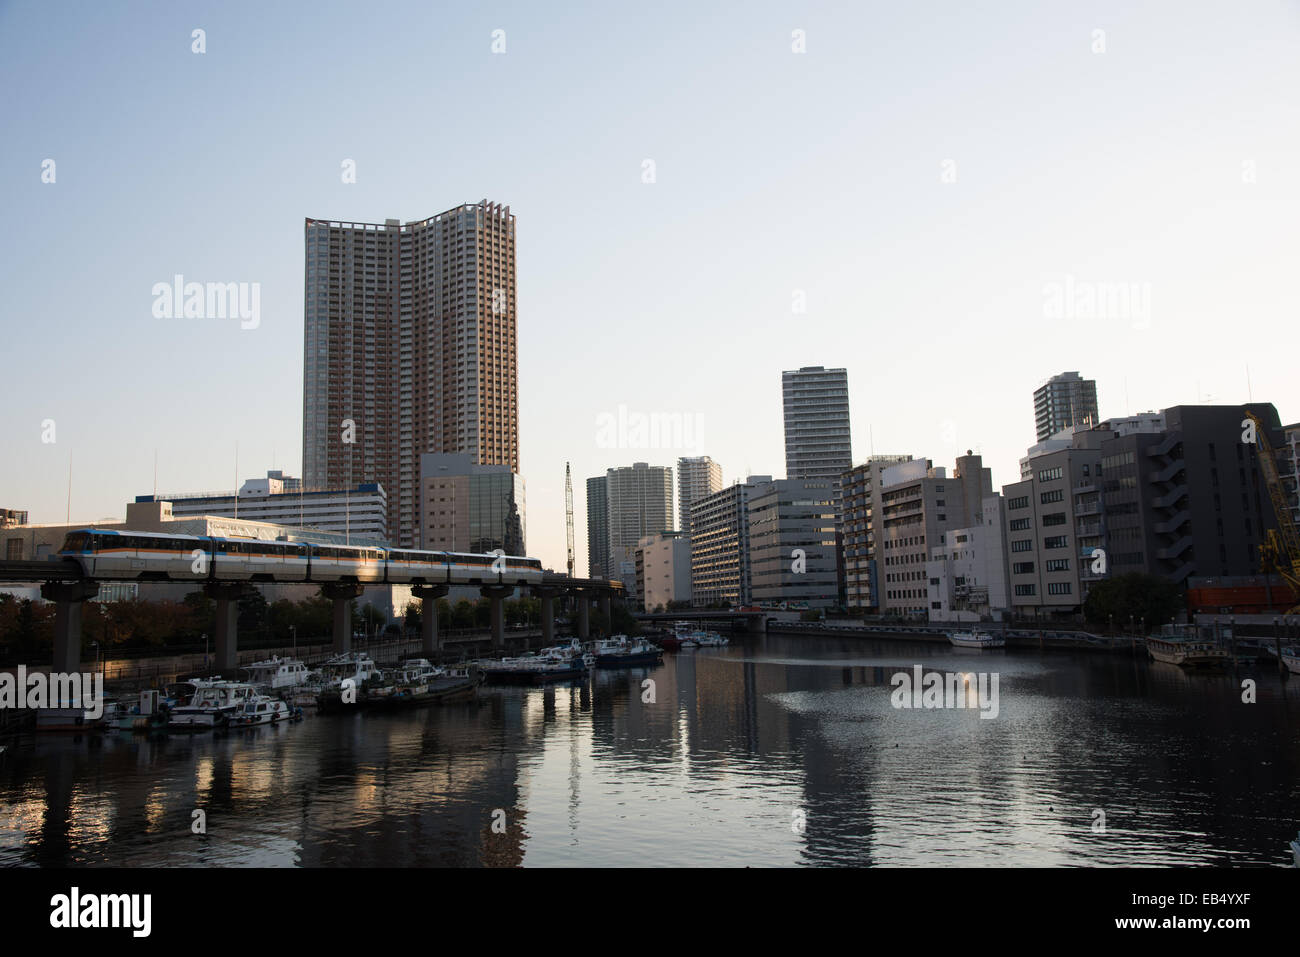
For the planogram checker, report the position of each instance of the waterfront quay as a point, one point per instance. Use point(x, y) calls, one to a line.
point(774, 750)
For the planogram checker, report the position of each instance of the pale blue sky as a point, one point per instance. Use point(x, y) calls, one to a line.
point(776, 172)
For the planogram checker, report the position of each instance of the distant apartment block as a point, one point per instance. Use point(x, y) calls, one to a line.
point(1190, 501)
point(1289, 466)
point(967, 570)
point(792, 543)
point(720, 569)
point(859, 511)
point(919, 505)
point(12, 516)
point(640, 504)
point(466, 507)
point(280, 499)
point(1065, 401)
point(663, 568)
point(815, 405)
point(598, 528)
point(409, 347)
point(1054, 522)
point(697, 476)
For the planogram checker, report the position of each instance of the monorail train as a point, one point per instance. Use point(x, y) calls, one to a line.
point(156, 556)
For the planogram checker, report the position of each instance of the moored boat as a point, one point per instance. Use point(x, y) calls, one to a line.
point(211, 707)
point(620, 651)
point(550, 664)
point(1188, 652)
point(1291, 658)
point(976, 639)
point(261, 709)
point(275, 673)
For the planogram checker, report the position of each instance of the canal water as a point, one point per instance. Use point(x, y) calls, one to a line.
point(773, 751)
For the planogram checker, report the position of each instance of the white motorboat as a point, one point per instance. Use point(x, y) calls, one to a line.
point(976, 639)
point(211, 707)
point(276, 673)
point(1188, 653)
point(356, 665)
point(709, 639)
point(260, 709)
point(1291, 658)
point(620, 651)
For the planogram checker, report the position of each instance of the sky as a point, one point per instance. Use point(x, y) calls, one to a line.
point(953, 201)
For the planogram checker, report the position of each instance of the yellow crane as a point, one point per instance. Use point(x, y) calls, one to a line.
point(1280, 551)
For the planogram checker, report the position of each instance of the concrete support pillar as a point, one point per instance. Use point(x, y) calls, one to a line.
point(584, 618)
point(604, 610)
point(341, 594)
point(548, 596)
point(548, 616)
point(67, 621)
point(226, 595)
point(496, 596)
point(429, 595)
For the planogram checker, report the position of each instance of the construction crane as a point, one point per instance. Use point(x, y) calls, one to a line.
point(568, 513)
point(1280, 551)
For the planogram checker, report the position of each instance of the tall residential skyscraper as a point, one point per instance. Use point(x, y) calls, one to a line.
point(697, 477)
point(816, 407)
point(1065, 401)
point(640, 504)
point(409, 348)
point(598, 527)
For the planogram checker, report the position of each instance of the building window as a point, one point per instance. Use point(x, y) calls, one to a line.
point(1022, 545)
point(1058, 588)
point(1021, 501)
point(1056, 541)
point(1023, 591)
point(1022, 568)
point(1058, 564)
point(1049, 475)
point(1056, 495)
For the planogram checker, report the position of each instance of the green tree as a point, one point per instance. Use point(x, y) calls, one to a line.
point(1147, 598)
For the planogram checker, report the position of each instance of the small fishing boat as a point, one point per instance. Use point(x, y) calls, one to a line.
point(211, 707)
point(148, 714)
point(709, 639)
point(1291, 658)
point(550, 664)
point(681, 637)
point(261, 709)
point(1188, 652)
point(620, 651)
point(976, 639)
point(275, 673)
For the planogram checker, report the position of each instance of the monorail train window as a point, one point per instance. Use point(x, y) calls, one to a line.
point(76, 542)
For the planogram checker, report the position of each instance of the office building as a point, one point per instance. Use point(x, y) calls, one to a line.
point(467, 507)
point(919, 504)
point(1055, 520)
point(1065, 401)
point(409, 348)
point(359, 512)
point(1190, 501)
point(967, 570)
point(663, 569)
point(792, 557)
point(697, 476)
point(815, 404)
point(598, 527)
point(859, 509)
point(720, 570)
point(640, 504)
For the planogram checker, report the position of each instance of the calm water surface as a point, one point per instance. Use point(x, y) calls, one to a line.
point(773, 751)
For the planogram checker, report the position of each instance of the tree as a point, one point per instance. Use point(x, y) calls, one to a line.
point(1143, 598)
